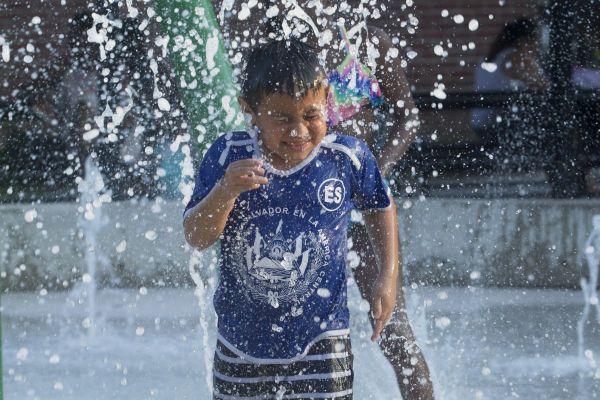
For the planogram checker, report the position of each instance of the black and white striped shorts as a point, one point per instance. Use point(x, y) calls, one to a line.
point(324, 373)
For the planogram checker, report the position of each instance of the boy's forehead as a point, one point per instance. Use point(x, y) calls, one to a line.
point(311, 99)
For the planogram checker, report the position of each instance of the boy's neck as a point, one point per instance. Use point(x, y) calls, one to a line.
point(278, 162)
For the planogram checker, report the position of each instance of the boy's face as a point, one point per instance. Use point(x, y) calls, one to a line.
point(290, 127)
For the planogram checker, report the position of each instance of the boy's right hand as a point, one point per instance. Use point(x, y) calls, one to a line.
point(242, 176)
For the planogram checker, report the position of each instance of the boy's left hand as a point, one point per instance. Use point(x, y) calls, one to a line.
point(383, 303)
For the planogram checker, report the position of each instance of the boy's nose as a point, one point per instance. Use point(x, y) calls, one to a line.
point(299, 131)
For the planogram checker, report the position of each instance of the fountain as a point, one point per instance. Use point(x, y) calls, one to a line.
point(91, 220)
point(147, 341)
point(589, 289)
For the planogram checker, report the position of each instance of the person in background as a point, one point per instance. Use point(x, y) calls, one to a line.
point(586, 77)
point(511, 65)
point(78, 90)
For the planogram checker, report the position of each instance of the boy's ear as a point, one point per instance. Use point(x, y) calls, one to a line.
point(327, 89)
point(247, 109)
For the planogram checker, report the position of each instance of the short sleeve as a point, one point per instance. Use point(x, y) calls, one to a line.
point(209, 173)
point(371, 191)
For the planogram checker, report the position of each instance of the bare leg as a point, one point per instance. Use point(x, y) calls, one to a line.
point(398, 340)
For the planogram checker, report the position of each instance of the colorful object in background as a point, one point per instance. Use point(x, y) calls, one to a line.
point(204, 74)
point(351, 86)
point(204, 80)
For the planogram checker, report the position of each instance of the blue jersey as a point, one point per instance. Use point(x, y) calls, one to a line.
point(282, 279)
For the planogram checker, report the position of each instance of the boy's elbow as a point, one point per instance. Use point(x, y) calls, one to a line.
point(199, 243)
point(198, 240)
point(393, 207)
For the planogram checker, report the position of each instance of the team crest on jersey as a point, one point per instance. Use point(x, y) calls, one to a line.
point(279, 269)
point(331, 194)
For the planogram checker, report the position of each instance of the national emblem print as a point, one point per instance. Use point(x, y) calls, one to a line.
point(281, 267)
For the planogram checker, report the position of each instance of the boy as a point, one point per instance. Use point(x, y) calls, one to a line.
point(278, 196)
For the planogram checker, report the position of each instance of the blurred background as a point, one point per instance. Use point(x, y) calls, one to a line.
point(106, 108)
point(534, 118)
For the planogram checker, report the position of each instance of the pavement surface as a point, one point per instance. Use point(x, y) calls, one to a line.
point(481, 343)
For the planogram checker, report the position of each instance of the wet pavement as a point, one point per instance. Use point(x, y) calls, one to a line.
point(481, 343)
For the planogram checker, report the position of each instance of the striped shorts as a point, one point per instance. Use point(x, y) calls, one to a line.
point(324, 373)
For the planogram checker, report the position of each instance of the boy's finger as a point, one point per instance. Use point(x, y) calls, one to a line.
point(260, 171)
point(255, 179)
point(261, 180)
point(376, 307)
point(379, 324)
point(248, 170)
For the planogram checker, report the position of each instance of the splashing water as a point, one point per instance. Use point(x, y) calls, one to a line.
point(91, 220)
point(203, 292)
point(589, 287)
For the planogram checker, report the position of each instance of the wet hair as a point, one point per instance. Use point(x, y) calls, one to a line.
point(513, 32)
point(281, 66)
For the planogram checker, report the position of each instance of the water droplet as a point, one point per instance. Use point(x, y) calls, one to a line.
point(121, 246)
point(489, 67)
point(272, 11)
point(442, 322)
point(31, 215)
point(244, 13)
point(473, 25)
point(439, 92)
point(22, 353)
point(163, 104)
point(151, 235)
point(91, 134)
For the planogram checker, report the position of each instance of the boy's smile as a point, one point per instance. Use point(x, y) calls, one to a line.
point(290, 128)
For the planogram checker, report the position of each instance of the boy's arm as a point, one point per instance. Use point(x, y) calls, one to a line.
point(382, 228)
point(206, 221)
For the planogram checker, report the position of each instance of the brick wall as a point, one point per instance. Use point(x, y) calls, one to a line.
point(17, 28)
point(468, 46)
point(433, 28)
